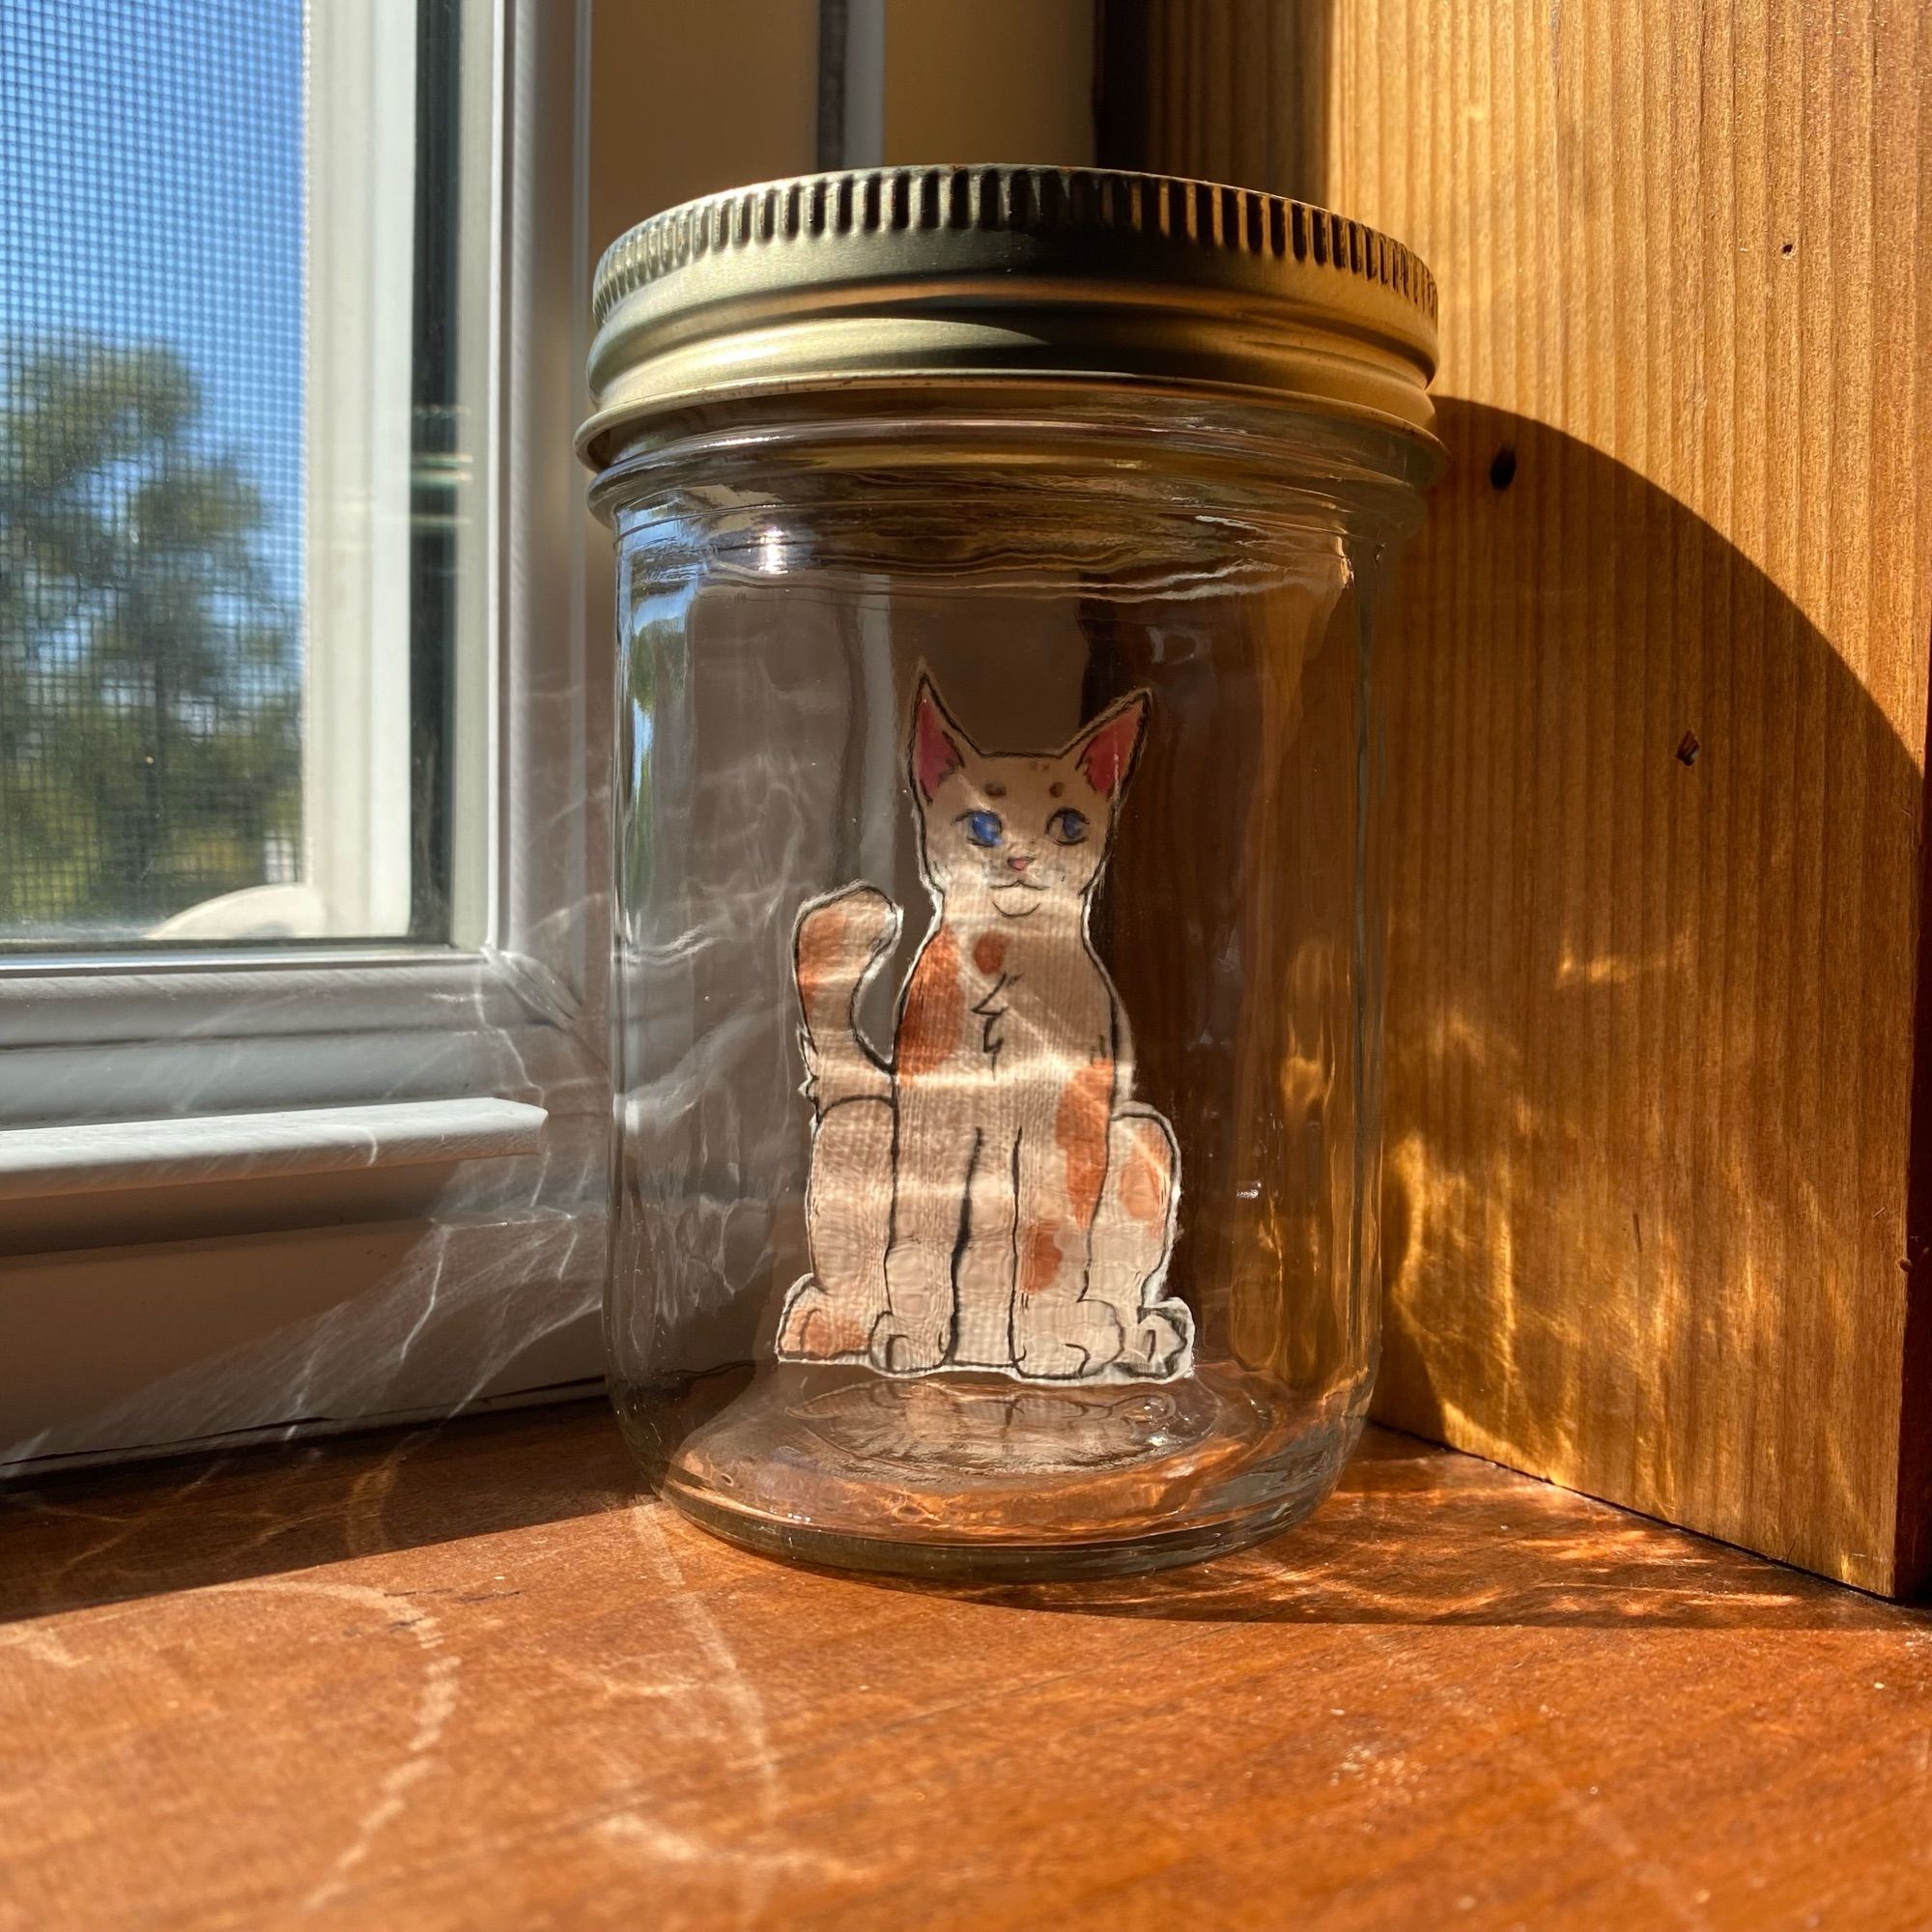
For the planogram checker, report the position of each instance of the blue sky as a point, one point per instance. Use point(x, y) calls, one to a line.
point(151, 191)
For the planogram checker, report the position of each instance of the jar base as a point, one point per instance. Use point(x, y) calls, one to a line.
point(975, 1477)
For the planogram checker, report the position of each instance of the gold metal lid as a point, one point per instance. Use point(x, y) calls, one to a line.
point(899, 277)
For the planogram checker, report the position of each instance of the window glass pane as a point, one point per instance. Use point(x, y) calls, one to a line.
point(230, 412)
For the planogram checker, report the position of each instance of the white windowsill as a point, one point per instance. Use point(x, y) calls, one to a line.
point(100, 1158)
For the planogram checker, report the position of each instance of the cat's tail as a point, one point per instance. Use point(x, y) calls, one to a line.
point(839, 943)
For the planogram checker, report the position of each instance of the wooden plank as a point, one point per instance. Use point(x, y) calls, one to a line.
point(1652, 1034)
point(469, 1679)
point(1657, 687)
point(988, 81)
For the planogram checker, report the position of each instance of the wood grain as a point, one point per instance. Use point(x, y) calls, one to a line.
point(472, 1679)
point(1658, 688)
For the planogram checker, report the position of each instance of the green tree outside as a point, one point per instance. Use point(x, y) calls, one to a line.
point(150, 694)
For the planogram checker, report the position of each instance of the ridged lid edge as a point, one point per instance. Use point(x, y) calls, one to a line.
point(1019, 199)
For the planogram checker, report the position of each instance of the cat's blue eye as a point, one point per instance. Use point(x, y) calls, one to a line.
point(984, 827)
point(1068, 827)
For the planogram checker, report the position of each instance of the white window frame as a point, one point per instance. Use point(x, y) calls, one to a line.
point(360, 299)
point(245, 1195)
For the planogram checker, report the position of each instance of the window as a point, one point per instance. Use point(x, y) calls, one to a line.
point(301, 1095)
point(238, 418)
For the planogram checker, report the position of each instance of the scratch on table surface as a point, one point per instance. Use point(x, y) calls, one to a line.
point(734, 1688)
point(54, 1583)
point(433, 1714)
point(656, 1840)
point(647, 1681)
point(364, 1528)
point(1602, 1822)
point(43, 1645)
point(360, 1512)
point(1589, 1808)
point(728, 1679)
point(435, 1707)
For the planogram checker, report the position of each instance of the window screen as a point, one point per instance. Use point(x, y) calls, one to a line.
point(207, 631)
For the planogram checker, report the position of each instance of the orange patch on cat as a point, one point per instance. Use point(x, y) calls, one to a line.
point(1143, 1185)
point(822, 942)
point(1086, 1106)
point(1042, 1261)
point(989, 954)
point(935, 1009)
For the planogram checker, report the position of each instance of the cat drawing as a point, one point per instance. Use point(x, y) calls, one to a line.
point(993, 1198)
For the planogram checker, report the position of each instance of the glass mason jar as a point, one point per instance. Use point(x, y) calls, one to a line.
point(999, 931)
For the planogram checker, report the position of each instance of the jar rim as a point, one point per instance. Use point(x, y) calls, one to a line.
point(941, 275)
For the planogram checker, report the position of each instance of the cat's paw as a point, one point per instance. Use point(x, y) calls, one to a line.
point(1160, 1342)
point(1064, 1341)
point(814, 1329)
point(903, 1347)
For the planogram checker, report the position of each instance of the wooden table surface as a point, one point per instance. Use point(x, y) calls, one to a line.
point(471, 1678)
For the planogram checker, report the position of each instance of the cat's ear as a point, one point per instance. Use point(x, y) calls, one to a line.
point(1104, 752)
point(937, 746)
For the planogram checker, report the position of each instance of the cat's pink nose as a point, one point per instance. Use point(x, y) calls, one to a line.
point(1019, 861)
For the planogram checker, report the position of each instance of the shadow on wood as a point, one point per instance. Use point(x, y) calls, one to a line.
point(1652, 975)
point(70, 1541)
point(1416, 1535)
point(1419, 1536)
